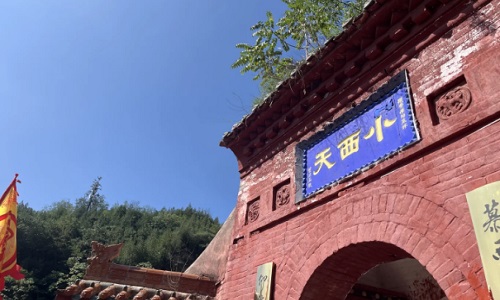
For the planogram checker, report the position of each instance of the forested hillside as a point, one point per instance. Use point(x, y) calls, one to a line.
point(53, 244)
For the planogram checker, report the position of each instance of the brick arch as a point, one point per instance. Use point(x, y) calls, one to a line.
point(403, 219)
point(339, 272)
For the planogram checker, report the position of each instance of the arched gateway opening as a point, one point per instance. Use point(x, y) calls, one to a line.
point(371, 270)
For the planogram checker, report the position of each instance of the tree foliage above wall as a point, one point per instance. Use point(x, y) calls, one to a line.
point(282, 45)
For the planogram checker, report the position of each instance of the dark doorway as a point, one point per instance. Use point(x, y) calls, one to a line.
point(372, 270)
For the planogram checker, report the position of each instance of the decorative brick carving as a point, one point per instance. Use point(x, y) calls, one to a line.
point(281, 194)
point(123, 295)
point(453, 102)
point(101, 258)
point(107, 292)
point(73, 289)
point(143, 293)
point(253, 210)
point(92, 290)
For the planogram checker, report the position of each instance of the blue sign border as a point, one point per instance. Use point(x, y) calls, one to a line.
point(398, 85)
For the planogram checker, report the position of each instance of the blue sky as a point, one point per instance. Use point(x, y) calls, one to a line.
point(138, 92)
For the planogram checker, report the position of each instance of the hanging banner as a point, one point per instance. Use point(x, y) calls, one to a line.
point(484, 209)
point(8, 235)
point(263, 282)
point(372, 131)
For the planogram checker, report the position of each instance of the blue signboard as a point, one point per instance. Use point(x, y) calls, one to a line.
point(370, 132)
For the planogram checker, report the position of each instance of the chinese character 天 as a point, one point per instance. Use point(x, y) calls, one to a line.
point(322, 160)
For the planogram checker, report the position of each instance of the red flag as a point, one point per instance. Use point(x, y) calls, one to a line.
point(8, 235)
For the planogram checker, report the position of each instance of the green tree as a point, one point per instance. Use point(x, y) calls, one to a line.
point(77, 267)
point(282, 45)
point(35, 235)
point(92, 202)
point(21, 289)
point(168, 239)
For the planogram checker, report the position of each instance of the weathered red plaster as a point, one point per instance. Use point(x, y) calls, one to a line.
point(411, 205)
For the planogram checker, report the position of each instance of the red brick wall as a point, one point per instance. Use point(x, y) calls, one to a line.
point(411, 204)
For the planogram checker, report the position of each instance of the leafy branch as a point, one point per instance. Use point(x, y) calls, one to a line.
point(281, 46)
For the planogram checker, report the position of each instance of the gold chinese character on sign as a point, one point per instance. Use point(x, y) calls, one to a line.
point(349, 145)
point(322, 159)
point(377, 130)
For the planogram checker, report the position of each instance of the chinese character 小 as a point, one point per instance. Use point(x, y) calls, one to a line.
point(378, 128)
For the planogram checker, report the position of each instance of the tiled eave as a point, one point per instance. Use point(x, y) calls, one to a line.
point(106, 280)
point(367, 42)
point(92, 289)
point(152, 278)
